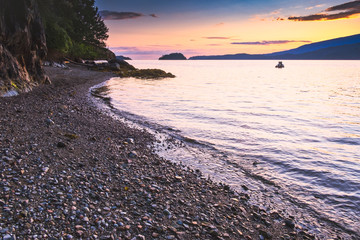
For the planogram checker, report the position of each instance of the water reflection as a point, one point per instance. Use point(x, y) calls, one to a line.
point(301, 124)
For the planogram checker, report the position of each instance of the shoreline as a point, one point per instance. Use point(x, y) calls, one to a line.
point(71, 171)
point(174, 145)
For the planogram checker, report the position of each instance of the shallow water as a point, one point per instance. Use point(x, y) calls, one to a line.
point(291, 135)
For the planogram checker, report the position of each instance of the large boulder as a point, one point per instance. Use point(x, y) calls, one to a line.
point(122, 64)
point(22, 46)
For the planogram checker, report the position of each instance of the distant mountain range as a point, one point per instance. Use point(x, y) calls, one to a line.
point(345, 48)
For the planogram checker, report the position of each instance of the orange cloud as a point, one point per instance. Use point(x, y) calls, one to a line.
point(316, 6)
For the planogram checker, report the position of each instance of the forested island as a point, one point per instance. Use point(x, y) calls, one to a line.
point(173, 56)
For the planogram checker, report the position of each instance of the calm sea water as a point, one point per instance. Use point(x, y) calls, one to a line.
point(292, 135)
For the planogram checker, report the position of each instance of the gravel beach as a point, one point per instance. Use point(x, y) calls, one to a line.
point(69, 171)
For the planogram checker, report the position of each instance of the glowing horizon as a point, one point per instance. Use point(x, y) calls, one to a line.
point(143, 29)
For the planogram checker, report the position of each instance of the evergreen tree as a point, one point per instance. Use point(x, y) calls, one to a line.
point(89, 26)
point(72, 23)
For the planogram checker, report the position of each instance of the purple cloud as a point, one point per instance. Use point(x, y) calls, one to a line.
point(344, 6)
point(348, 9)
point(112, 15)
point(270, 42)
point(217, 38)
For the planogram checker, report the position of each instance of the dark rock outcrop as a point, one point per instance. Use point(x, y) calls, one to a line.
point(123, 58)
point(122, 64)
point(173, 56)
point(22, 46)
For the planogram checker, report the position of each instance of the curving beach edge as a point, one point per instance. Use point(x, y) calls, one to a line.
point(69, 171)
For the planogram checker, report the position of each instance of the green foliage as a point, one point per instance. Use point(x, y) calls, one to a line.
point(88, 51)
point(57, 38)
point(146, 74)
point(74, 27)
point(89, 25)
point(82, 50)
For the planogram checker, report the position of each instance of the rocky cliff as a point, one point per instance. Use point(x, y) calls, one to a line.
point(22, 46)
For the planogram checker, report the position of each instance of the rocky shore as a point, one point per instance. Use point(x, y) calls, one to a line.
point(69, 171)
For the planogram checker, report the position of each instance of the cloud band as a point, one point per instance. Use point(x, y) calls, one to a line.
point(113, 15)
point(269, 42)
point(348, 9)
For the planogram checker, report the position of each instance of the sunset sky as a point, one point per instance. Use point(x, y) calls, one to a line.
point(147, 29)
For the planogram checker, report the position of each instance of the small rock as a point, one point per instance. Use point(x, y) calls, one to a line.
point(130, 140)
point(265, 235)
point(79, 227)
point(60, 145)
point(24, 213)
point(69, 236)
point(178, 178)
point(289, 223)
point(133, 154)
point(9, 237)
point(49, 121)
point(167, 212)
point(140, 237)
point(107, 237)
point(45, 169)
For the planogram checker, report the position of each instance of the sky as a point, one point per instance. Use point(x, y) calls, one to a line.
point(148, 29)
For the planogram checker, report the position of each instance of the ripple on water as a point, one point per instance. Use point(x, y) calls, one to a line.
point(297, 129)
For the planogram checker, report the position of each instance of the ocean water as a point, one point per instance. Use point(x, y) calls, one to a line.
point(290, 137)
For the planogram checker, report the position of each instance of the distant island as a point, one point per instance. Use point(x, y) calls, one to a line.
point(173, 56)
point(345, 48)
point(123, 58)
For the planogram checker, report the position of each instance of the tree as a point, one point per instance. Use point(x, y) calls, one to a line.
point(72, 22)
point(89, 25)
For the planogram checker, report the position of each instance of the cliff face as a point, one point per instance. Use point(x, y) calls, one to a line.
point(22, 46)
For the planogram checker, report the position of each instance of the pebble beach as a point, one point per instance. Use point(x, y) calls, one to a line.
point(70, 171)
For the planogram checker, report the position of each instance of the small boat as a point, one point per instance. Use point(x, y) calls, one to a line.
point(280, 65)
